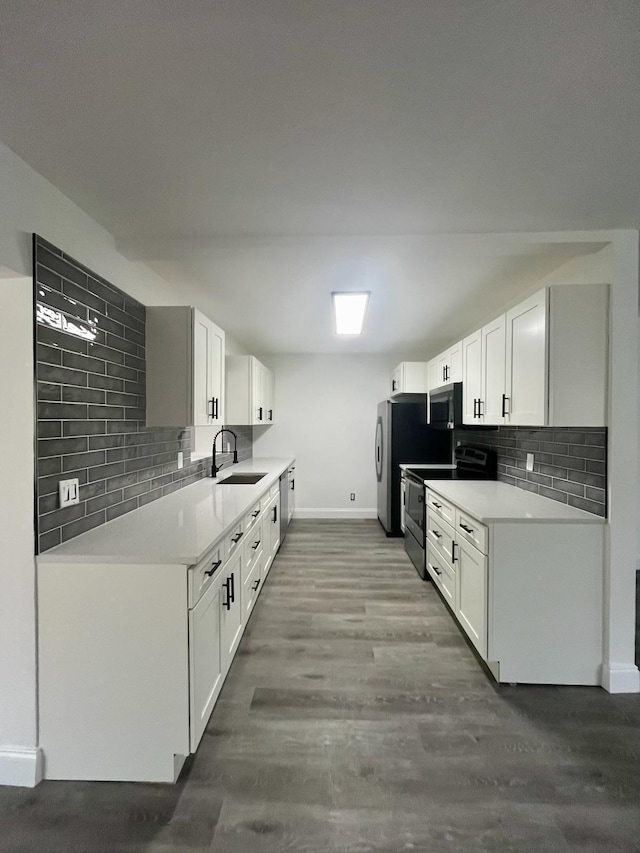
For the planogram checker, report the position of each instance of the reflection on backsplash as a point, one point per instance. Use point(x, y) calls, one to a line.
point(570, 463)
point(90, 386)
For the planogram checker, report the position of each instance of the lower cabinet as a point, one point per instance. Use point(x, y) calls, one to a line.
point(132, 658)
point(527, 594)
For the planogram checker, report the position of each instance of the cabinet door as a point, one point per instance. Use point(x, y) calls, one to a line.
point(526, 366)
point(292, 491)
point(205, 661)
point(396, 381)
point(272, 520)
point(270, 395)
point(471, 594)
point(257, 392)
point(472, 378)
point(231, 610)
point(208, 371)
point(493, 370)
point(442, 371)
point(216, 361)
point(454, 361)
point(432, 374)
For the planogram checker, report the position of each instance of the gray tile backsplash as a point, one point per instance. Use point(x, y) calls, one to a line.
point(570, 464)
point(90, 393)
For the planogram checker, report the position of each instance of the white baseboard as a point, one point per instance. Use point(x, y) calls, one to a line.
point(620, 679)
point(21, 767)
point(325, 512)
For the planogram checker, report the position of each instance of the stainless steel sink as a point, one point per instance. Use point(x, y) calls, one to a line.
point(241, 479)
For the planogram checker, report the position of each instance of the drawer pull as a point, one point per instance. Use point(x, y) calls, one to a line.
point(227, 588)
point(255, 586)
point(235, 539)
point(437, 571)
point(256, 546)
point(214, 567)
point(436, 505)
point(464, 527)
point(255, 514)
point(454, 545)
point(436, 534)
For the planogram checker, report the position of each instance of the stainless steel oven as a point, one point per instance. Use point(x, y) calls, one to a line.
point(414, 517)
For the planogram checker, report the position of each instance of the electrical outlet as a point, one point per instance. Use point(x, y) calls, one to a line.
point(352, 496)
point(69, 491)
point(180, 459)
point(529, 461)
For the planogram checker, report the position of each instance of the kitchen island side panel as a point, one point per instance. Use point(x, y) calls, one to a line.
point(545, 602)
point(113, 671)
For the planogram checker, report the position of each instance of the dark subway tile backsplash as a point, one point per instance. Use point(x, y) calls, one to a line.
point(569, 463)
point(91, 405)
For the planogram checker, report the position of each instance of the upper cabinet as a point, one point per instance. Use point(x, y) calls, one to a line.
point(185, 368)
point(410, 377)
point(250, 391)
point(446, 367)
point(543, 363)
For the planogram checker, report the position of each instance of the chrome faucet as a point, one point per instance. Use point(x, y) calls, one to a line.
point(214, 467)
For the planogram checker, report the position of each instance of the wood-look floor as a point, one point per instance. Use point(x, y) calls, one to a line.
point(355, 718)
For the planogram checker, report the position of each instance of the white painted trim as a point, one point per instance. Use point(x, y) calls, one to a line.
point(620, 679)
point(21, 766)
point(326, 512)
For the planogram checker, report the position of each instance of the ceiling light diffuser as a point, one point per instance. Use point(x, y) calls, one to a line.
point(348, 312)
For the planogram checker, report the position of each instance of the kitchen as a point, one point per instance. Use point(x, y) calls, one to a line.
point(337, 451)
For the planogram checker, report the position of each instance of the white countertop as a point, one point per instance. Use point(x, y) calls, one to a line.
point(492, 501)
point(176, 529)
point(423, 467)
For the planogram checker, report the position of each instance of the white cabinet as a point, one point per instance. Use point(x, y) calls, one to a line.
point(471, 594)
point(432, 374)
point(445, 367)
point(483, 372)
point(522, 590)
point(206, 670)
point(410, 377)
point(231, 609)
point(557, 357)
point(185, 375)
point(292, 491)
point(250, 391)
point(271, 531)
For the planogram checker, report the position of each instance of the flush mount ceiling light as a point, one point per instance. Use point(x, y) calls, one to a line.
point(348, 312)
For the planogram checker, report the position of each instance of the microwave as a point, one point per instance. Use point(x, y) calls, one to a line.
point(445, 406)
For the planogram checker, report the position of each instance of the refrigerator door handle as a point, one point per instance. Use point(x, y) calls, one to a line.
point(379, 459)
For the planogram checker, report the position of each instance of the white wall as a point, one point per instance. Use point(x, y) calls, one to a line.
point(30, 203)
point(326, 415)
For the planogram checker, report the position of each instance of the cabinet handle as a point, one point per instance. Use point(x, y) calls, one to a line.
point(464, 527)
point(270, 414)
point(255, 514)
point(275, 514)
point(233, 587)
point(436, 534)
point(259, 413)
point(436, 505)
point(504, 406)
point(454, 545)
point(437, 571)
point(293, 485)
point(256, 585)
point(235, 539)
point(227, 587)
point(256, 545)
point(210, 405)
point(393, 384)
point(214, 567)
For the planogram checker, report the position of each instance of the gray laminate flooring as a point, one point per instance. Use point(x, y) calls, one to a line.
point(355, 718)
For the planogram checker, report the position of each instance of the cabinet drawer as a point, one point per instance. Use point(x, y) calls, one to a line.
point(233, 540)
point(467, 527)
point(443, 575)
point(443, 508)
point(201, 576)
point(440, 533)
point(266, 499)
point(252, 517)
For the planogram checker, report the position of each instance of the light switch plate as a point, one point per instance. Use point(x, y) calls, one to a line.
point(69, 491)
point(180, 459)
point(529, 461)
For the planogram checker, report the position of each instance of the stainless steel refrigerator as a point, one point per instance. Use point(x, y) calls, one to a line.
point(403, 436)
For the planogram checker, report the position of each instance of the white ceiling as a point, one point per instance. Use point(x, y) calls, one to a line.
point(267, 152)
